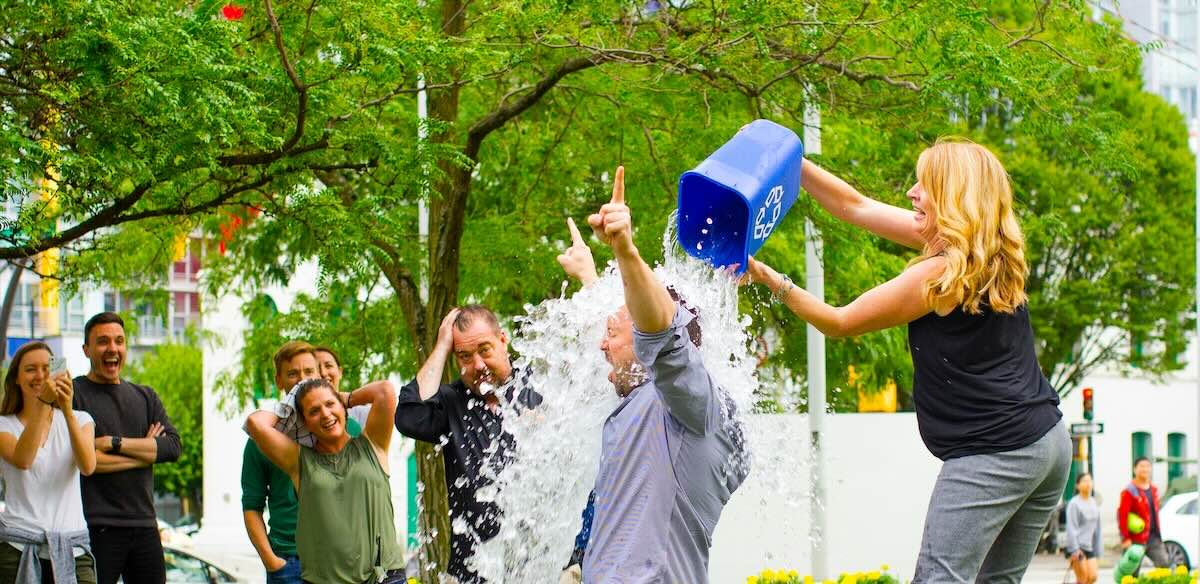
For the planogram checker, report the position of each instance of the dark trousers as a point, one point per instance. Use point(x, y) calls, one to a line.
point(134, 553)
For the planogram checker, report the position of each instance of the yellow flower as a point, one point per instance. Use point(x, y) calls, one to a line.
point(754, 580)
point(1128, 580)
point(808, 580)
point(883, 568)
point(1181, 570)
point(873, 575)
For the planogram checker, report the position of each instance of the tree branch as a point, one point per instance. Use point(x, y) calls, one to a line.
point(498, 117)
point(301, 90)
point(103, 218)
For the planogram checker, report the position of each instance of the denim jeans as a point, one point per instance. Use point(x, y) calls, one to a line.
point(288, 574)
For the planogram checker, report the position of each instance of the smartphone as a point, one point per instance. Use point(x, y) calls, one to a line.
point(57, 365)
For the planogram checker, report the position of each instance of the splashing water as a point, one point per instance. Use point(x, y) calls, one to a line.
point(544, 490)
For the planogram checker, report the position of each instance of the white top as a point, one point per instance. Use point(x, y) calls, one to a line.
point(46, 497)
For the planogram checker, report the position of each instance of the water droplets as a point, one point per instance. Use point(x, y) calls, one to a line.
point(459, 526)
point(557, 447)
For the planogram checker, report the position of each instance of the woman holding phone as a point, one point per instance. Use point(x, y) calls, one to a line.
point(44, 446)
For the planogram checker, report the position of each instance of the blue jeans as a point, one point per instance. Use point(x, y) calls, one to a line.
point(288, 574)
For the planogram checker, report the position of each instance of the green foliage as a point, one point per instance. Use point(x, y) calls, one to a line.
point(175, 372)
point(363, 333)
point(299, 124)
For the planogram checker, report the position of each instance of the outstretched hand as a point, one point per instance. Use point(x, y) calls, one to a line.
point(577, 260)
point(613, 224)
point(760, 273)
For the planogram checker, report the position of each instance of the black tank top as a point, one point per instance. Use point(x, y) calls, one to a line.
point(977, 386)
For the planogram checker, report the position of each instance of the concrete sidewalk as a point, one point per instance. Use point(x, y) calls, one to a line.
point(1052, 569)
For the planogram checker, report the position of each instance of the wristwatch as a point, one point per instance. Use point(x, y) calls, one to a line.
point(116, 445)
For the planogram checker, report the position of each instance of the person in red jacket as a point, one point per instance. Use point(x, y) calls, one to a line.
point(1140, 498)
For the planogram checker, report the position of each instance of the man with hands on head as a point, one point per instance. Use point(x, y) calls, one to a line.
point(465, 417)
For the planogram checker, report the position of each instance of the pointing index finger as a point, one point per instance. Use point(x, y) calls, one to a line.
point(576, 238)
point(619, 186)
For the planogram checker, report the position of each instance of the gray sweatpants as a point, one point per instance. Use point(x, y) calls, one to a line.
point(988, 511)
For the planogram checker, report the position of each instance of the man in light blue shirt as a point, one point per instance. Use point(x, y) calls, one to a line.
point(673, 451)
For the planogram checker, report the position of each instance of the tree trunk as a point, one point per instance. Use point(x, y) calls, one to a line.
point(446, 210)
point(10, 296)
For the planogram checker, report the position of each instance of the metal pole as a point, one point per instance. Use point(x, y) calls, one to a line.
point(1195, 143)
point(815, 275)
point(423, 201)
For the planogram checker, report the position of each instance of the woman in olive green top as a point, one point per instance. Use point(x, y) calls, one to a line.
point(346, 530)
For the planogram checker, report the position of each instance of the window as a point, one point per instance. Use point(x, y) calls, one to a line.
point(187, 268)
point(1164, 17)
point(1176, 454)
point(1141, 446)
point(1184, 19)
point(72, 316)
point(26, 311)
point(185, 311)
point(1184, 97)
point(149, 325)
point(1188, 508)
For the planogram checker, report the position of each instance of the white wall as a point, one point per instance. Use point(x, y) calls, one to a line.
point(880, 478)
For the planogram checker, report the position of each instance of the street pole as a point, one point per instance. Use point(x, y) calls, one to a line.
point(1195, 144)
point(814, 274)
point(423, 200)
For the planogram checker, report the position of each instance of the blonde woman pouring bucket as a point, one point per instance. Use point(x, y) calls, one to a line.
point(983, 406)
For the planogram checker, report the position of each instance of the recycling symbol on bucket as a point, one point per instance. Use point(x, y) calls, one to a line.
point(774, 203)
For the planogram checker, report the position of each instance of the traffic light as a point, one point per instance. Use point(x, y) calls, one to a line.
point(1087, 404)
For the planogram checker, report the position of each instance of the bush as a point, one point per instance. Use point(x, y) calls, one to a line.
point(880, 576)
point(1163, 576)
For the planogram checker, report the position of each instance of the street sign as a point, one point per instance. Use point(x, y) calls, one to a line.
point(1087, 428)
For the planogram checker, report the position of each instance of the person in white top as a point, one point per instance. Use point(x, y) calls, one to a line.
point(44, 446)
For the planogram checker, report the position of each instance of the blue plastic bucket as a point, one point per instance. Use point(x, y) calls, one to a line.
point(735, 199)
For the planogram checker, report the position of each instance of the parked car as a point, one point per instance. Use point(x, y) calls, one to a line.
point(184, 567)
point(1178, 517)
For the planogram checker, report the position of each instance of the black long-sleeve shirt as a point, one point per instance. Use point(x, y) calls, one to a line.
point(125, 498)
point(473, 438)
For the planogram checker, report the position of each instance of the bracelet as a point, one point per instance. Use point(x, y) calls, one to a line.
point(349, 396)
point(785, 286)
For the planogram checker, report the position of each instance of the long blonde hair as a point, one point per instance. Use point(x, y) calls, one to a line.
point(979, 235)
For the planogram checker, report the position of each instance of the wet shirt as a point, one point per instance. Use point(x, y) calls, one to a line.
point(673, 453)
point(474, 448)
point(977, 386)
